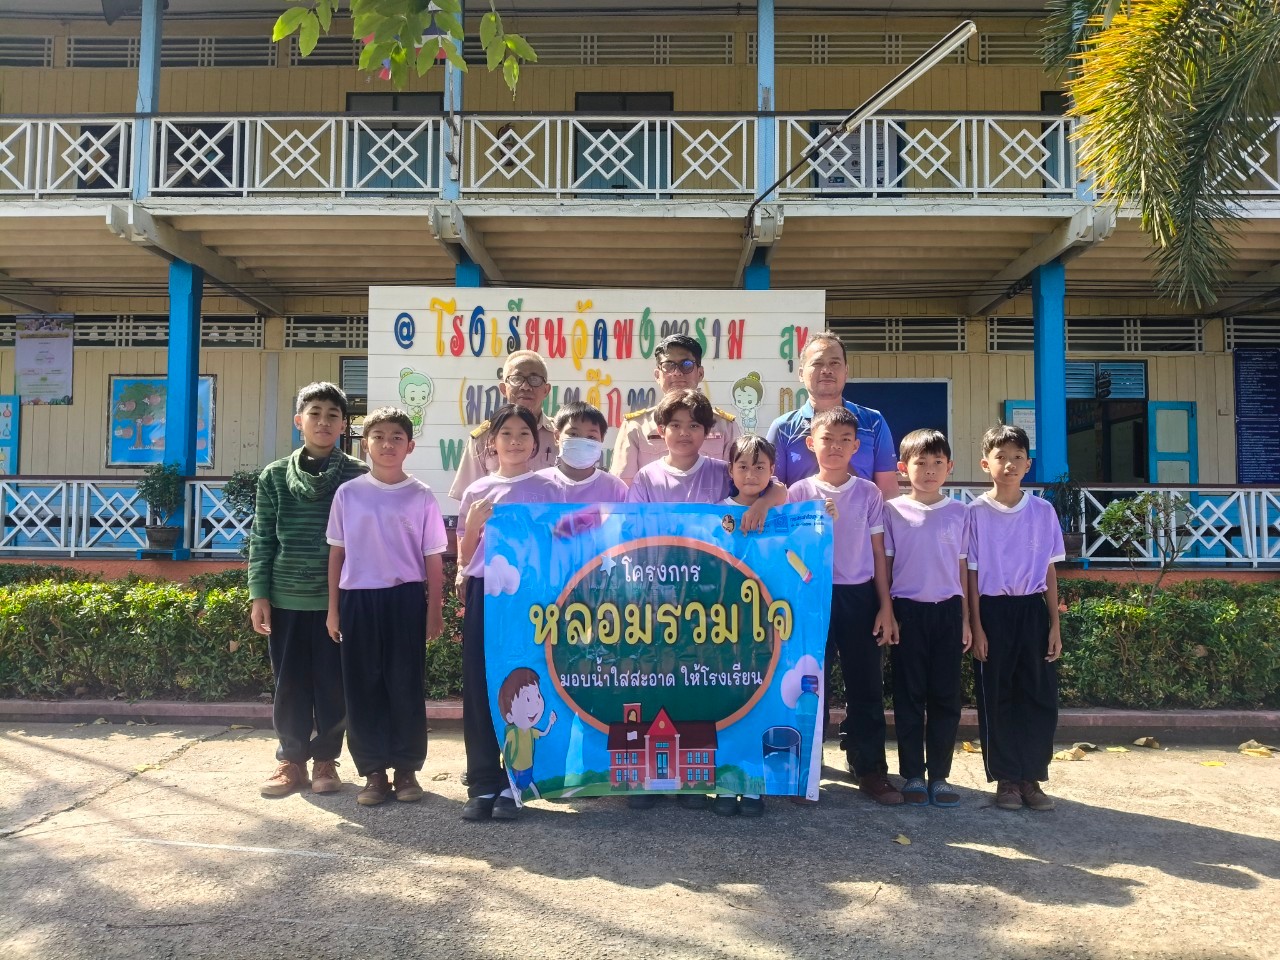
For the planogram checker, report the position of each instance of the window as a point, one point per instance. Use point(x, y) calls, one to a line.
point(393, 154)
point(634, 758)
point(634, 776)
point(618, 778)
point(616, 155)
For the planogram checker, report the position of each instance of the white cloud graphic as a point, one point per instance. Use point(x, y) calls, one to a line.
point(791, 688)
point(501, 577)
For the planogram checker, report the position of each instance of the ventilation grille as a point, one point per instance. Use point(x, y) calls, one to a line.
point(326, 333)
point(26, 51)
point(636, 49)
point(232, 332)
point(1107, 381)
point(1010, 49)
point(897, 335)
point(1105, 334)
point(102, 52)
point(329, 52)
point(123, 330)
point(174, 52)
point(820, 49)
point(1252, 332)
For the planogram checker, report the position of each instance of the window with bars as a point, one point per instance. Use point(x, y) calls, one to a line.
point(900, 334)
point(1252, 332)
point(1105, 334)
point(26, 51)
point(326, 333)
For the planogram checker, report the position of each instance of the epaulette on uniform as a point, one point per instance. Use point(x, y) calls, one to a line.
point(480, 431)
point(637, 414)
point(724, 415)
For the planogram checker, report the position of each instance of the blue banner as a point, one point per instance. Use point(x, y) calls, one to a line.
point(657, 648)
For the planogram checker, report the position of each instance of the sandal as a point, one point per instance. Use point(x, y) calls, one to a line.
point(943, 794)
point(915, 793)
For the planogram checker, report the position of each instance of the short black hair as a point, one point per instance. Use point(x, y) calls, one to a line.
point(505, 413)
point(751, 447)
point(323, 391)
point(1003, 433)
point(681, 340)
point(699, 408)
point(840, 416)
point(924, 441)
point(388, 415)
point(580, 411)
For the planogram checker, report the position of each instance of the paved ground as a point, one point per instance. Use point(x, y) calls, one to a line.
point(142, 842)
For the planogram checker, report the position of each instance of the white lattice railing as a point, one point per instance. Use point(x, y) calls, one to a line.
point(81, 157)
point(73, 517)
point(930, 154)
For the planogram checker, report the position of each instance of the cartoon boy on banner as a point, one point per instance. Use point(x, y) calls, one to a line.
point(688, 653)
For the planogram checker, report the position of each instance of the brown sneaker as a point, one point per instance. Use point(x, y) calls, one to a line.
point(324, 776)
point(289, 776)
point(376, 790)
point(880, 789)
point(1009, 795)
point(1034, 797)
point(407, 788)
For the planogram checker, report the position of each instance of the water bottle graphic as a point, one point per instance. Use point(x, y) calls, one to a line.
point(807, 720)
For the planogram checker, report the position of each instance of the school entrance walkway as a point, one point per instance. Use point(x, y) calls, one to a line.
point(137, 841)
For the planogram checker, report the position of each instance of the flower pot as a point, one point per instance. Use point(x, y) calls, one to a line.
point(163, 538)
point(1074, 543)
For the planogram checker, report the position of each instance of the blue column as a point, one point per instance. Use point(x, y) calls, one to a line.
point(148, 95)
point(756, 275)
point(1048, 307)
point(451, 189)
point(766, 100)
point(182, 408)
point(467, 273)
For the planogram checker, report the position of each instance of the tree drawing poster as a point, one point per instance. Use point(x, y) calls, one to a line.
point(137, 417)
point(638, 647)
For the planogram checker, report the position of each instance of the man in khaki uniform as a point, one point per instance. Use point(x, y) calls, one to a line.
point(678, 360)
point(525, 383)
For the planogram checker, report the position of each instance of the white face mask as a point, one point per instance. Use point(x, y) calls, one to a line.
point(580, 452)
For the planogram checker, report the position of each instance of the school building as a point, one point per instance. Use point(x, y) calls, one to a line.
point(207, 210)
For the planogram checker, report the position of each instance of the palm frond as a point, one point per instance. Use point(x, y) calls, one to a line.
point(1069, 25)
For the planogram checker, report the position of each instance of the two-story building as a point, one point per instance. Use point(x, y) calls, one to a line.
point(196, 197)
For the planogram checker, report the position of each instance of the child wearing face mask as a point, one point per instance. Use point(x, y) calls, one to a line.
point(580, 430)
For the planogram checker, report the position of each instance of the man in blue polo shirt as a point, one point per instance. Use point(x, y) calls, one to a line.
point(824, 368)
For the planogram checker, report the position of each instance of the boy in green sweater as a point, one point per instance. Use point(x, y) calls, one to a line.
point(289, 587)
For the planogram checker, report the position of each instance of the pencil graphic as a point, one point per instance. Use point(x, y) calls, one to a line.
point(798, 565)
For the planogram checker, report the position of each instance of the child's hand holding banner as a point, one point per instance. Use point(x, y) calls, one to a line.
point(633, 647)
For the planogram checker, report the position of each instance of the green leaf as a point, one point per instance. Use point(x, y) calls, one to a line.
point(520, 47)
point(511, 74)
point(309, 35)
point(490, 29)
point(449, 24)
point(455, 59)
point(427, 55)
point(387, 29)
point(324, 10)
point(399, 72)
point(288, 22)
point(374, 53)
point(450, 6)
point(494, 53)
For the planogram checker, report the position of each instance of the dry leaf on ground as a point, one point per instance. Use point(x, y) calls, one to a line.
point(144, 767)
point(1255, 749)
point(902, 839)
point(1075, 753)
point(1151, 742)
point(1117, 749)
point(100, 721)
point(241, 726)
point(233, 645)
point(1212, 763)
point(1084, 745)
point(968, 746)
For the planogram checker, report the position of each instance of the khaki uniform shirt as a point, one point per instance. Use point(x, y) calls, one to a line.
point(639, 443)
point(479, 461)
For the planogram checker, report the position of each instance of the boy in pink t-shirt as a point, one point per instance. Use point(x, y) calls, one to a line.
point(861, 614)
point(924, 543)
point(580, 430)
point(386, 541)
point(1014, 541)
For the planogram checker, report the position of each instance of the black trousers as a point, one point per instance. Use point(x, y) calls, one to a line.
point(1017, 692)
point(308, 695)
point(384, 636)
point(926, 685)
point(853, 617)
point(484, 764)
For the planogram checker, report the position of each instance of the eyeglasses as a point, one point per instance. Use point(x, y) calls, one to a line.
point(678, 366)
point(534, 380)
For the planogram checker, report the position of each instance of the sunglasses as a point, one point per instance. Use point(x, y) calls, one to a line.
point(534, 380)
point(678, 366)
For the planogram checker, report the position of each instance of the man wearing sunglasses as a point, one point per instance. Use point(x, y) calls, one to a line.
point(678, 366)
point(526, 384)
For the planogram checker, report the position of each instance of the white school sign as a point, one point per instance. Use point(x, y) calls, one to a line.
point(437, 352)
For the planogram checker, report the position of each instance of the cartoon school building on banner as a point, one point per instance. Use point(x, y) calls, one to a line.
point(660, 754)
point(205, 212)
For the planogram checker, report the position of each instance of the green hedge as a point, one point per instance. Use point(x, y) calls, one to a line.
point(1204, 643)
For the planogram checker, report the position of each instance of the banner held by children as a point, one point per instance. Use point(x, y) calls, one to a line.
point(638, 648)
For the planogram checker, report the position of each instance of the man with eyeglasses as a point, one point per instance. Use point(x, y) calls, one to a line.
point(526, 384)
point(678, 366)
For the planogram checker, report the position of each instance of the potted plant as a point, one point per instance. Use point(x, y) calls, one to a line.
point(240, 494)
point(1067, 498)
point(163, 489)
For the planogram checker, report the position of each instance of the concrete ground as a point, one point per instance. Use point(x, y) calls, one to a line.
point(151, 841)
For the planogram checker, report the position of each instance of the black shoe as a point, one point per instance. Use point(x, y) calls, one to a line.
point(504, 808)
point(478, 808)
point(694, 801)
point(725, 806)
point(752, 806)
point(464, 778)
point(641, 801)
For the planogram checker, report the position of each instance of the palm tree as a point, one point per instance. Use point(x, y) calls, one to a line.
point(1172, 97)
